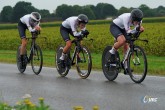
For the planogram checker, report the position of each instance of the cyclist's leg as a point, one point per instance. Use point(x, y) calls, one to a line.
point(23, 46)
point(120, 38)
point(125, 64)
point(65, 35)
point(126, 45)
point(22, 28)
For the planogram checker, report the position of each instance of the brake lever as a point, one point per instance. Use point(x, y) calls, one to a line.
point(144, 40)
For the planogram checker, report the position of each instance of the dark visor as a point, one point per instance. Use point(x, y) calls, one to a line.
point(136, 19)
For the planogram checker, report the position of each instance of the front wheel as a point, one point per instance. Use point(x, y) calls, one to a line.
point(37, 60)
point(137, 64)
point(18, 60)
point(83, 62)
point(109, 72)
point(63, 71)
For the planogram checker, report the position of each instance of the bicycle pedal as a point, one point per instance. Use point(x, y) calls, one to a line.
point(136, 64)
point(73, 63)
point(81, 61)
point(125, 72)
point(112, 65)
point(122, 65)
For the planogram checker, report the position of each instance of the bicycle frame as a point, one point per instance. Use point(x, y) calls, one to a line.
point(131, 41)
point(77, 49)
point(133, 54)
point(34, 36)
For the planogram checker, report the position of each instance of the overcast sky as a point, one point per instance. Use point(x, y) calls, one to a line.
point(51, 5)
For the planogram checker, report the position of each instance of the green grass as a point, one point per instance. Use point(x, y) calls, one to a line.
point(156, 64)
point(154, 33)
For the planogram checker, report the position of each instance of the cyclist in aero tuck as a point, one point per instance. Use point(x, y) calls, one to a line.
point(120, 28)
point(71, 26)
point(30, 22)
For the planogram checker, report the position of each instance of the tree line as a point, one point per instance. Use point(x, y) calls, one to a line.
point(100, 11)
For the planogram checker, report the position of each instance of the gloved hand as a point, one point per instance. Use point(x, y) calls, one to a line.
point(85, 33)
point(38, 28)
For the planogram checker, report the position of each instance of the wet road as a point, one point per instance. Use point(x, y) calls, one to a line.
point(65, 93)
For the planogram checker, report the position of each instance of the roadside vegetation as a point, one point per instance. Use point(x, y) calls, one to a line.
point(98, 39)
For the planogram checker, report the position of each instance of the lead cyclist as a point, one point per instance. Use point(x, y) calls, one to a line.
point(120, 28)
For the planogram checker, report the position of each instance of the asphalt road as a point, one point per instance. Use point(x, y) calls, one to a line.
point(65, 93)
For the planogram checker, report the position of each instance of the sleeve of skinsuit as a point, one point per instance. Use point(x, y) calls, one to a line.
point(26, 20)
point(74, 29)
point(133, 31)
point(83, 29)
point(126, 24)
point(75, 33)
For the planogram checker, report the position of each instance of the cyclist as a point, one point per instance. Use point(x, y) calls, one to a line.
point(120, 28)
point(71, 26)
point(30, 22)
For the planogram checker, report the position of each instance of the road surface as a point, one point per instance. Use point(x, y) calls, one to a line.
point(65, 93)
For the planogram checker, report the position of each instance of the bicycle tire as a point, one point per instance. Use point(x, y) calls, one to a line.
point(18, 60)
point(84, 69)
point(37, 56)
point(140, 66)
point(109, 73)
point(62, 71)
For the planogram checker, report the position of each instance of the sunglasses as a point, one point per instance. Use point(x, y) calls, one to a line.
point(136, 19)
point(34, 21)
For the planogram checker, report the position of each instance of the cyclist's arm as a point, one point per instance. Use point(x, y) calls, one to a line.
point(31, 29)
point(74, 29)
point(126, 24)
point(29, 26)
point(133, 31)
point(77, 34)
point(83, 29)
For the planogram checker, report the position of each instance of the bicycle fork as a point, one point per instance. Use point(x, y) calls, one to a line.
point(135, 61)
point(124, 62)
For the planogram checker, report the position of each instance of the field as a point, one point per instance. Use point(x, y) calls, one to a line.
point(154, 32)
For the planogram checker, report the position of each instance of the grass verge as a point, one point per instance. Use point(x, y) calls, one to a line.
point(156, 64)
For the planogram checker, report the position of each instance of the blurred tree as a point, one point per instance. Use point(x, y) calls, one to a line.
point(146, 10)
point(160, 11)
point(98, 10)
point(108, 10)
point(64, 11)
point(77, 10)
point(6, 14)
point(93, 8)
point(123, 10)
point(20, 9)
point(44, 13)
point(88, 11)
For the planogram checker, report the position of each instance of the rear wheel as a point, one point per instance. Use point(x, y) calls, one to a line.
point(137, 64)
point(84, 62)
point(109, 72)
point(62, 71)
point(18, 60)
point(37, 60)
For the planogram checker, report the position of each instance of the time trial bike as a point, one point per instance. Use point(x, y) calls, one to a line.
point(81, 57)
point(134, 58)
point(35, 55)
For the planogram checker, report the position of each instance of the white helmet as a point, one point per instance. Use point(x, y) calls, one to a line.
point(83, 18)
point(35, 16)
point(136, 15)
